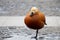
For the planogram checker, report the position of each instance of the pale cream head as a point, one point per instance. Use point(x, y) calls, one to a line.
point(34, 9)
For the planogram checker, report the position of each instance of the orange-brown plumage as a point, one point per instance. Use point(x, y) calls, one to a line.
point(35, 19)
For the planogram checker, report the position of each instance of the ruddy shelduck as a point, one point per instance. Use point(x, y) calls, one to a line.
point(35, 19)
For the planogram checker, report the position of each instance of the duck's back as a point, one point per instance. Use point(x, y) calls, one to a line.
point(35, 22)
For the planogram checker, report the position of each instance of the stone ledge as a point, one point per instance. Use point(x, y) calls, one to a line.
point(19, 21)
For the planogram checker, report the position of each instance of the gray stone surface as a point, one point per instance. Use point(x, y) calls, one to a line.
point(21, 7)
point(23, 33)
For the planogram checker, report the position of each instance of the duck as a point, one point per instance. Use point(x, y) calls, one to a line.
point(35, 19)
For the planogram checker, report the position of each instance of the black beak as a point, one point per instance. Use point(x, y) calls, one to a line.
point(31, 14)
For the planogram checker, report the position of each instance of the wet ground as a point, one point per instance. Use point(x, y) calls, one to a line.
point(13, 28)
point(23, 33)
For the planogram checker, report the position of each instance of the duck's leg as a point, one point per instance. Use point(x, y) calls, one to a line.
point(36, 35)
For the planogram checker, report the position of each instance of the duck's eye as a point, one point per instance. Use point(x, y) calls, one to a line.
point(31, 14)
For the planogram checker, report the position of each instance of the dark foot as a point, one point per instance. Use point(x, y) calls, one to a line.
point(34, 38)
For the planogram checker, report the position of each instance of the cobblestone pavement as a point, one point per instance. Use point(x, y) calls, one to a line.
point(20, 7)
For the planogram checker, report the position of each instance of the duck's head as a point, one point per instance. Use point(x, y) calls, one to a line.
point(33, 10)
